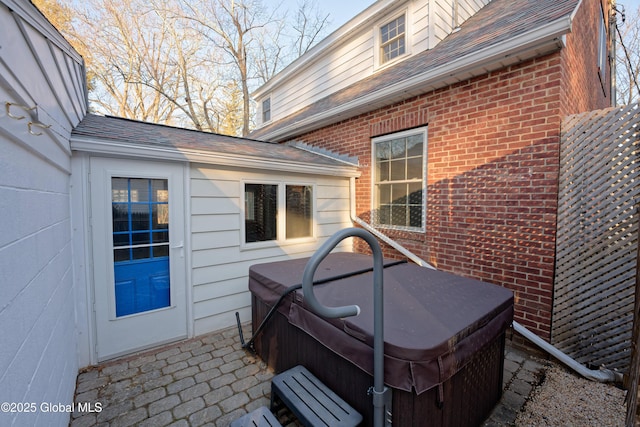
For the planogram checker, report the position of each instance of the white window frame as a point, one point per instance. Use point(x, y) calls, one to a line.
point(281, 220)
point(374, 203)
point(377, 37)
point(262, 112)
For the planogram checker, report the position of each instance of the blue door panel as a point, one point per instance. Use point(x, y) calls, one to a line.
point(140, 221)
point(142, 285)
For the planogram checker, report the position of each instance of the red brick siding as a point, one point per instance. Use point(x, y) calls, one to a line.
point(493, 166)
point(492, 178)
point(584, 89)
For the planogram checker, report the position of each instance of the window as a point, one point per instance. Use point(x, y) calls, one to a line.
point(299, 211)
point(263, 202)
point(140, 223)
point(602, 49)
point(392, 39)
point(140, 209)
point(266, 110)
point(399, 180)
point(261, 212)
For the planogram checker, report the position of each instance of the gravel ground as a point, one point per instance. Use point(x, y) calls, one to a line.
point(563, 399)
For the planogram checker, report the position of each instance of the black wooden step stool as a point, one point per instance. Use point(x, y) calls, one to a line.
point(260, 417)
point(312, 402)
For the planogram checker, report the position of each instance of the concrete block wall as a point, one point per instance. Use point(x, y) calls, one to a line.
point(38, 362)
point(38, 338)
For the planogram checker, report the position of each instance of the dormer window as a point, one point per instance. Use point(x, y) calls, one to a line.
point(392, 39)
point(266, 110)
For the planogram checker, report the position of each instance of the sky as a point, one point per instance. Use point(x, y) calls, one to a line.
point(342, 10)
point(630, 5)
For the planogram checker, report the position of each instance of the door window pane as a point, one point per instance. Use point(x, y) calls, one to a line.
point(140, 222)
point(120, 212)
point(139, 190)
point(161, 251)
point(120, 190)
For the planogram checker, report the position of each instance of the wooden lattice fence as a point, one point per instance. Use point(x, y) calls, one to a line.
point(597, 236)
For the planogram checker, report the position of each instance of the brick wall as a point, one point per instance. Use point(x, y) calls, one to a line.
point(585, 88)
point(493, 165)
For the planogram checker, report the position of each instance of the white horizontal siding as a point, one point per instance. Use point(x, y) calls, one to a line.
point(339, 68)
point(353, 58)
point(38, 355)
point(420, 26)
point(442, 16)
point(220, 263)
point(441, 20)
point(467, 8)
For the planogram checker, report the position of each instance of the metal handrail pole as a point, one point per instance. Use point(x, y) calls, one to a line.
point(379, 389)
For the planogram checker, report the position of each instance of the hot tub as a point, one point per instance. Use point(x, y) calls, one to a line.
point(444, 336)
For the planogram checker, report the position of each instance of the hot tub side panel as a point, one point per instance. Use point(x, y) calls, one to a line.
point(466, 399)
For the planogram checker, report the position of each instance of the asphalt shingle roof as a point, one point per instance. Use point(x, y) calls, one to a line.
point(131, 132)
point(497, 22)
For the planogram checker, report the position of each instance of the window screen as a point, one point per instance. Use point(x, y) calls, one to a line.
point(399, 180)
point(299, 211)
point(261, 208)
point(266, 110)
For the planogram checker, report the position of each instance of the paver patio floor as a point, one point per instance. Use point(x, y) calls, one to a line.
point(211, 381)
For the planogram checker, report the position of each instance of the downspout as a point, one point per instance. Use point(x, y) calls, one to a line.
point(613, 90)
point(600, 375)
point(397, 246)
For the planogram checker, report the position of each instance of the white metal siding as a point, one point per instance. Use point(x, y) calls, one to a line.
point(339, 68)
point(442, 16)
point(220, 265)
point(38, 355)
point(354, 58)
point(420, 26)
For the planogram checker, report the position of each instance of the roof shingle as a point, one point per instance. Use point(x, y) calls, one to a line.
point(120, 131)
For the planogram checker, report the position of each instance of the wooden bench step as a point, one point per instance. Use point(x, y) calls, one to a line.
point(261, 417)
point(312, 402)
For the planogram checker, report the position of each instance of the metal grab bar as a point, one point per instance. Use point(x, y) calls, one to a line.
point(381, 394)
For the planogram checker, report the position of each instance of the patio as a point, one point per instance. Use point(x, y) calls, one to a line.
point(210, 380)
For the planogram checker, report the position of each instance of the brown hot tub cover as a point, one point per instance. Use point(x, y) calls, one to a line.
point(434, 322)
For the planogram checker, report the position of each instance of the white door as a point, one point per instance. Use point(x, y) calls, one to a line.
point(138, 230)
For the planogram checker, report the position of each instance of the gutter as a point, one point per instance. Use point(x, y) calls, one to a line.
point(97, 146)
point(600, 375)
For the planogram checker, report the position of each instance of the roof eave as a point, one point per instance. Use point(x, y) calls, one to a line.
point(535, 43)
point(148, 152)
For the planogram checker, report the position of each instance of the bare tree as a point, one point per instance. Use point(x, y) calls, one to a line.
point(232, 26)
point(628, 56)
point(191, 63)
point(309, 26)
point(128, 44)
point(288, 39)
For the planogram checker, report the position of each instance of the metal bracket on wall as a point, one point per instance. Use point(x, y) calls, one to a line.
point(30, 124)
point(25, 108)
